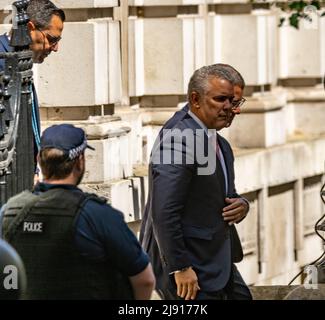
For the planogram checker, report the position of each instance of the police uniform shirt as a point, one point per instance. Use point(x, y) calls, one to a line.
point(102, 234)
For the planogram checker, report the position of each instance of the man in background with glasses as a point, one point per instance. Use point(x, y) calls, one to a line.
point(45, 26)
point(239, 86)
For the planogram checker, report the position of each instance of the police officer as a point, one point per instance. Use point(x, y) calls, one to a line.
point(73, 244)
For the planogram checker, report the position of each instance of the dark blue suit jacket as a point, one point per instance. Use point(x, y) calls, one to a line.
point(182, 224)
point(5, 47)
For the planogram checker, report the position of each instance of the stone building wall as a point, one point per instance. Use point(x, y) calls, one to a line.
point(122, 70)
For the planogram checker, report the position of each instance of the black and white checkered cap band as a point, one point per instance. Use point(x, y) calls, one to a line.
point(76, 152)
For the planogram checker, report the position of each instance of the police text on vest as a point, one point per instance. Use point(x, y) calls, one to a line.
point(36, 227)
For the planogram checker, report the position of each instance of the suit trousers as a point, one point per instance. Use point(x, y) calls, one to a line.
point(235, 289)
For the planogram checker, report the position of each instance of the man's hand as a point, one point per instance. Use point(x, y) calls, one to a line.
point(235, 211)
point(187, 284)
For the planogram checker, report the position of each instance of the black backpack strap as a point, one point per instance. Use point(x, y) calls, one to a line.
point(83, 200)
point(95, 197)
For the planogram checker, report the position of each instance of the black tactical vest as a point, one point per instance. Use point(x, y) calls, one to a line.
point(41, 229)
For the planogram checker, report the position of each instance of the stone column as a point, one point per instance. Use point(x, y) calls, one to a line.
point(166, 45)
point(247, 40)
point(301, 53)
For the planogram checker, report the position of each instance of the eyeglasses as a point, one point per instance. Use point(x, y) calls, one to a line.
point(51, 39)
point(238, 103)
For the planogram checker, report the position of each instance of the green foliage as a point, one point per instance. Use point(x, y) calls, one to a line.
point(297, 5)
point(316, 4)
point(298, 9)
point(294, 20)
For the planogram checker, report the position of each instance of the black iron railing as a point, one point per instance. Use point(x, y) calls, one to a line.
point(16, 135)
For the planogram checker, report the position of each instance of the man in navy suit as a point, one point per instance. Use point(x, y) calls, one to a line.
point(188, 225)
point(45, 26)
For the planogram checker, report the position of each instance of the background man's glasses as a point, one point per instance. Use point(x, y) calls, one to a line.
point(51, 39)
point(238, 103)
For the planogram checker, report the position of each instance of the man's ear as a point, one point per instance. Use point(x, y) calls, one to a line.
point(195, 99)
point(81, 162)
point(31, 26)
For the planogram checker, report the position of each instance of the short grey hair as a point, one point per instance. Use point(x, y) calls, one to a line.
point(200, 78)
point(238, 78)
point(40, 12)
